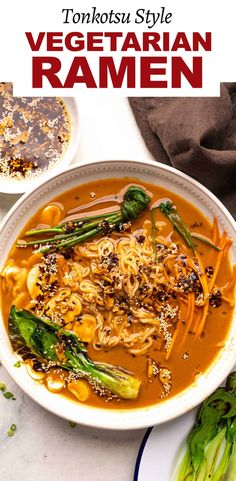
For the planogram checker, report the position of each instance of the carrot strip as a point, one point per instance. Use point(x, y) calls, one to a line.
point(167, 276)
point(164, 241)
point(173, 338)
point(197, 321)
point(228, 300)
point(216, 232)
point(202, 278)
point(189, 307)
point(216, 270)
point(203, 320)
point(185, 301)
point(227, 247)
point(223, 245)
point(176, 271)
point(191, 314)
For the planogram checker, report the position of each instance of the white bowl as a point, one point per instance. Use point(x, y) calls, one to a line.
point(13, 186)
point(157, 174)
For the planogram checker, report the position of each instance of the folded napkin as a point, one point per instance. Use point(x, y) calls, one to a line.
point(195, 135)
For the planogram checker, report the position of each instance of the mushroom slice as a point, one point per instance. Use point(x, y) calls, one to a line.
point(33, 280)
point(54, 384)
point(79, 389)
point(37, 376)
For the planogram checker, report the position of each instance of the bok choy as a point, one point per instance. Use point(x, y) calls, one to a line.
point(45, 342)
point(211, 445)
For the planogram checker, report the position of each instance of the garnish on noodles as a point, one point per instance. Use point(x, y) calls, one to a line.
point(133, 300)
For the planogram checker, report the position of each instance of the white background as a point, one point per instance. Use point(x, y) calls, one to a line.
point(44, 447)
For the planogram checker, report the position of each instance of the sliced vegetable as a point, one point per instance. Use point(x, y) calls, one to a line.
point(42, 339)
point(170, 211)
point(205, 240)
point(211, 445)
point(9, 395)
point(72, 424)
point(17, 364)
point(11, 431)
point(68, 234)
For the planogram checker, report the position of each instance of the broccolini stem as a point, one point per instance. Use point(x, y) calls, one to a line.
point(135, 201)
point(169, 210)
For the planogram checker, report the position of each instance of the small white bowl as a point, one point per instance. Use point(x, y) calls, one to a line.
point(13, 186)
point(154, 173)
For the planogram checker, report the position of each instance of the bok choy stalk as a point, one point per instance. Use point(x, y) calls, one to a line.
point(211, 445)
point(42, 340)
point(70, 233)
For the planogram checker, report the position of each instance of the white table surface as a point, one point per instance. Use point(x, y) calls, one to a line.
point(44, 446)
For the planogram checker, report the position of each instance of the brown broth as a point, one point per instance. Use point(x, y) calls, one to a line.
point(201, 351)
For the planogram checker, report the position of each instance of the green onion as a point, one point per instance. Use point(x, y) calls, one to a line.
point(17, 364)
point(72, 424)
point(8, 395)
point(11, 430)
point(3, 386)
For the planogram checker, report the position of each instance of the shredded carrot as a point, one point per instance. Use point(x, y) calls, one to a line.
point(227, 247)
point(176, 271)
point(197, 320)
point(163, 240)
point(185, 301)
point(189, 307)
point(167, 276)
point(224, 245)
point(216, 232)
point(223, 238)
point(174, 335)
point(202, 278)
point(189, 316)
point(203, 319)
point(229, 301)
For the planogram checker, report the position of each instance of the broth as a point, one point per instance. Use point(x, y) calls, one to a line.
point(187, 360)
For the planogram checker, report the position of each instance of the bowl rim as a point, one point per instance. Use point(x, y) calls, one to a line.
point(25, 185)
point(109, 421)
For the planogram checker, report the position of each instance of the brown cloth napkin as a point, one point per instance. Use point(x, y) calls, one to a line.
point(195, 135)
